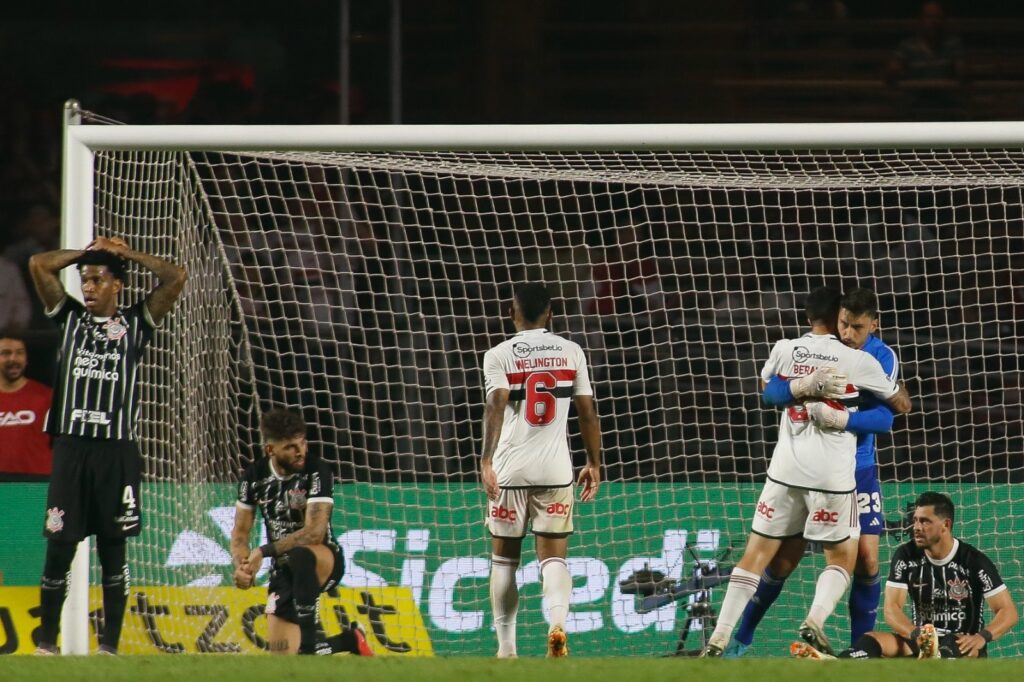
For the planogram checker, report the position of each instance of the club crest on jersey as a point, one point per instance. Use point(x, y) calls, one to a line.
point(115, 329)
point(54, 520)
point(958, 589)
point(297, 498)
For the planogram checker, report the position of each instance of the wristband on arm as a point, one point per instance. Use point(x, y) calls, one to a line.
point(878, 419)
point(268, 551)
point(777, 392)
point(915, 650)
point(986, 635)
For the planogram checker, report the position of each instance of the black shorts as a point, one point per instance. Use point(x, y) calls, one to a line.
point(280, 598)
point(94, 490)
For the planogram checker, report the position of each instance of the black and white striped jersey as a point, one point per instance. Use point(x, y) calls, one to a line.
point(949, 593)
point(94, 392)
point(283, 499)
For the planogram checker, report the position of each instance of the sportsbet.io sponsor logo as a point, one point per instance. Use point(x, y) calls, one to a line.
point(802, 354)
point(523, 350)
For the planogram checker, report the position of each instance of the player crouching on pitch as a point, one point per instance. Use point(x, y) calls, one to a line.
point(295, 495)
point(949, 583)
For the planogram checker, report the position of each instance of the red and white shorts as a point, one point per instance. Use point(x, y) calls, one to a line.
point(784, 512)
point(549, 511)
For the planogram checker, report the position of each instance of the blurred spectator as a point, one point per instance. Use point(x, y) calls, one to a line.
point(15, 305)
point(627, 288)
point(24, 447)
point(930, 65)
point(37, 230)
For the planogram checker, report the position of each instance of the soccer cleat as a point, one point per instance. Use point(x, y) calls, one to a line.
point(813, 635)
point(105, 650)
point(735, 649)
point(361, 642)
point(928, 642)
point(558, 644)
point(46, 650)
point(805, 650)
point(712, 651)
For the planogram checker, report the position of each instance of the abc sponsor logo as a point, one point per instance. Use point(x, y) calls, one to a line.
point(825, 516)
point(503, 514)
point(558, 509)
point(763, 510)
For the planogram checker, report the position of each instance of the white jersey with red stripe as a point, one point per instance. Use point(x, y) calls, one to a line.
point(542, 372)
point(808, 456)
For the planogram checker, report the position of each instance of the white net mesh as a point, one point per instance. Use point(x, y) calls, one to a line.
point(365, 288)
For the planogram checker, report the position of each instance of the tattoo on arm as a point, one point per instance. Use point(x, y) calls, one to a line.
point(172, 280)
point(312, 533)
point(240, 535)
point(44, 268)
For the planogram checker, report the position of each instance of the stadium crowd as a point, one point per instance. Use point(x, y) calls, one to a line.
point(673, 302)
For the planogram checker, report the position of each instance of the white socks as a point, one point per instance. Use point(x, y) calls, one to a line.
point(742, 586)
point(832, 583)
point(504, 603)
point(557, 584)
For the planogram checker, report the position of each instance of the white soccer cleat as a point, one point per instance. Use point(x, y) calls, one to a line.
point(928, 642)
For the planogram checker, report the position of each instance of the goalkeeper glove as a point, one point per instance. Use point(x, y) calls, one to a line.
point(824, 382)
point(827, 417)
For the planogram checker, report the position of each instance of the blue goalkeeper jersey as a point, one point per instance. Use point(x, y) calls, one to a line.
point(886, 357)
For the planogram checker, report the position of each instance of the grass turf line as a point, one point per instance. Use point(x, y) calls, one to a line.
point(197, 668)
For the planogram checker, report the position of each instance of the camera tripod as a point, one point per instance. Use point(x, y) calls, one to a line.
point(655, 590)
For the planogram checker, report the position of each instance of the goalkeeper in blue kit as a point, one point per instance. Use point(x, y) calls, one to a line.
point(856, 327)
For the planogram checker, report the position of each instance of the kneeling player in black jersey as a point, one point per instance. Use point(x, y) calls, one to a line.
point(948, 582)
point(295, 495)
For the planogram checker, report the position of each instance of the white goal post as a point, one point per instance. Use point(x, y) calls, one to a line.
point(756, 178)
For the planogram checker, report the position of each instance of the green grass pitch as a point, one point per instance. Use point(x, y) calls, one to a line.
point(254, 668)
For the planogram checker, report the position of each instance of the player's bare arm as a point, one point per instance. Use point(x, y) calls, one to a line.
point(494, 412)
point(590, 428)
point(1004, 617)
point(895, 617)
point(318, 515)
point(240, 534)
point(45, 269)
point(172, 277)
point(900, 401)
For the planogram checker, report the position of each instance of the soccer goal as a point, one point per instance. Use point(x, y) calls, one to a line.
point(359, 274)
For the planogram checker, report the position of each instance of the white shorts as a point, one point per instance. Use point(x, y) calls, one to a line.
point(548, 509)
point(784, 512)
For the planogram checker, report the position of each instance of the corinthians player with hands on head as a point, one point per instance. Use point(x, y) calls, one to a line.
point(948, 582)
point(810, 490)
point(295, 494)
point(530, 379)
point(94, 485)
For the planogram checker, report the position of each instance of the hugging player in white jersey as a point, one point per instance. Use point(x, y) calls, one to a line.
point(810, 489)
point(530, 379)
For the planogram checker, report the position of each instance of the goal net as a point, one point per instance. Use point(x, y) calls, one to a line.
point(364, 287)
